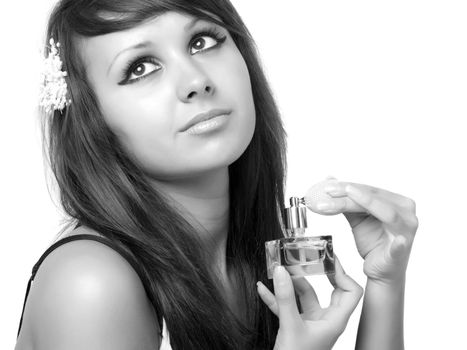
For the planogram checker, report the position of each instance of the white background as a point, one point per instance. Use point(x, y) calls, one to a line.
point(370, 91)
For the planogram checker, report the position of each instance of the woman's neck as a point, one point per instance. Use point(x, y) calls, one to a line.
point(204, 202)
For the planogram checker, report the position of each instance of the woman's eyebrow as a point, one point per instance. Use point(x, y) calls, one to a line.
point(147, 43)
point(191, 23)
point(140, 45)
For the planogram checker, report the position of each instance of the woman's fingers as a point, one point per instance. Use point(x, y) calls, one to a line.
point(347, 292)
point(363, 195)
point(337, 188)
point(331, 197)
point(384, 211)
point(308, 298)
point(343, 281)
point(283, 303)
point(267, 297)
point(289, 317)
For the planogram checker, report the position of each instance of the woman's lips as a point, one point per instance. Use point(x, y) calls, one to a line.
point(205, 116)
point(208, 125)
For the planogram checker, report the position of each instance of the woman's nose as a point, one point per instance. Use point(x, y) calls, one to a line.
point(194, 83)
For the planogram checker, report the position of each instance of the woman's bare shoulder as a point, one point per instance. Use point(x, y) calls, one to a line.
point(85, 295)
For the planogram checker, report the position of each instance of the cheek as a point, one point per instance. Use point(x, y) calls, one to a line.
point(239, 78)
point(236, 80)
point(245, 96)
point(240, 88)
point(136, 114)
point(141, 125)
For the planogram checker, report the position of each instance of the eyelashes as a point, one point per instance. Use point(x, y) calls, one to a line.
point(131, 65)
point(211, 32)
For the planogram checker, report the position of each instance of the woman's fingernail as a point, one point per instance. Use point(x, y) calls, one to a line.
point(331, 188)
point(325, 206)
point(259, 285)
point(334, 189)
point(352, 190)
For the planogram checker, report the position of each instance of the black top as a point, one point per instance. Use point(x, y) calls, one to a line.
point(106, 241)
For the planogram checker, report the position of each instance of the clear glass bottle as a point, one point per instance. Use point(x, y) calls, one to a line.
point(299, 253)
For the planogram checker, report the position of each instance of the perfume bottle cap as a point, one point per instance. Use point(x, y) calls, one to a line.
point(295, 217)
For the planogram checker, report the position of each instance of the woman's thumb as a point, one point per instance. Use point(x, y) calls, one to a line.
point(285, 298)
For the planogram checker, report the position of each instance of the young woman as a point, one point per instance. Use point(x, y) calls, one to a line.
point(170, 160)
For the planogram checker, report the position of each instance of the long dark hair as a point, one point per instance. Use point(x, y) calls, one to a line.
point(101, 187)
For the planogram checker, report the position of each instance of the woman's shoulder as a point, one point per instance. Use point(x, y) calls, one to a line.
point(87, 295)
point(81, 230)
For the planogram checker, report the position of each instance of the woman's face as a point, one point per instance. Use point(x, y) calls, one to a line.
point(152, 80)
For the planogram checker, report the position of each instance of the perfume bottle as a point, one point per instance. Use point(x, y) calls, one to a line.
point(299, 253)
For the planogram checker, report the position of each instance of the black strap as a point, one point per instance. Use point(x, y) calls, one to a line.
point(24, 304)
point(105, 241)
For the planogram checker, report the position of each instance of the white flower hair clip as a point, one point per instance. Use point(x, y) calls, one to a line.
point(53, 88)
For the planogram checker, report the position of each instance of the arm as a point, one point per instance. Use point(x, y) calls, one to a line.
point(382, 320)
point(87, 296)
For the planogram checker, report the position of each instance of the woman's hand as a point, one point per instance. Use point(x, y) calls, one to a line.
point(383, 223)
point(316, 328)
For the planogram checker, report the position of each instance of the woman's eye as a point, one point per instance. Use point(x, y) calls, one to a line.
point(203, 43)
point(142, 69)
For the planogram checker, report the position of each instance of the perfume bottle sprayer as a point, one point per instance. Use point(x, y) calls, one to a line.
point(300, 253)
